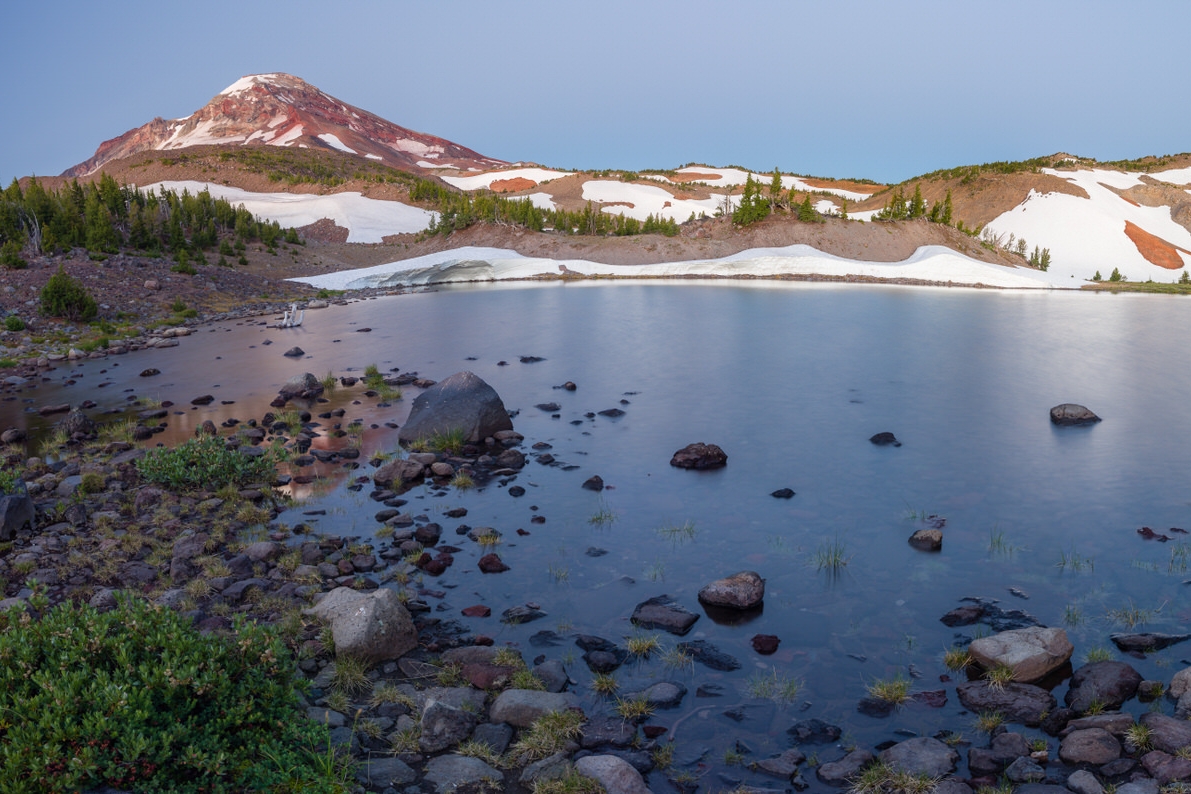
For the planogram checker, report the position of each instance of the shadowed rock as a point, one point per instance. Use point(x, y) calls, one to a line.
point(462, 403)
point(699, 456)
point(1069, 414)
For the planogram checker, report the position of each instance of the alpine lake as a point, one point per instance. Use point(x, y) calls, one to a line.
point(791, 380)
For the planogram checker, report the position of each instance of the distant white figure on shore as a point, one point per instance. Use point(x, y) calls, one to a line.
point(292, 317)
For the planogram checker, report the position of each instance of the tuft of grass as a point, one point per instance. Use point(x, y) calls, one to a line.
point(329, 383)
point(894, 690)
point(633, 709)
point(351, 675)
point(604, 684)
point(1132, 616)
point(463, 481)
point(989, 721)
point(957, 659)
point(774, 686)
point(603, 516)
point(1073, 615)
point(679, 533)
point(1075, 561)
point(386, 692)
point(406, 741)
point(999, 544)
point(1139, 736)
point(571, 782)
point(481, 750)
point(881, 778)
point(656, 572)
point(559, 573)
point(663, 756)
point(548, 735)
point(642, 645)
point(831, 555)
point(999, 676)
point(677, 659)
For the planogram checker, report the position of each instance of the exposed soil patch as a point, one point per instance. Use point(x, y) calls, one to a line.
point(512, 185)
point(843, 184)
point(1156, 250)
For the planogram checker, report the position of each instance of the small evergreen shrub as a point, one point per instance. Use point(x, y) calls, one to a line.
point(137, 698)
point(14, 323)
point(10, 256)
point(63, 296)
point(204, 463)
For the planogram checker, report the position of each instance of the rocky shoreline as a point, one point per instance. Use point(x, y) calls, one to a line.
point(438, 707)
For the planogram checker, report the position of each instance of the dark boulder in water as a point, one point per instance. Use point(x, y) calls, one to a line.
point(699, 456)
point(885, 440)
point(462, 403)
point(783, 493)
point(1069, 414)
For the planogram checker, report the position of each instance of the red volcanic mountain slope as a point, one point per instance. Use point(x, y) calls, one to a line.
point(282, 110)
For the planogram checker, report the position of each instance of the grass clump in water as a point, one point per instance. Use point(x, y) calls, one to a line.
point(894, 690)
point(882, 778)
point(957, 659)
point(832, 555)
point(773, 686)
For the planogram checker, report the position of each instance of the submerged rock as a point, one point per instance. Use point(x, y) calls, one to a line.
point(885, 440)
point(663, 612)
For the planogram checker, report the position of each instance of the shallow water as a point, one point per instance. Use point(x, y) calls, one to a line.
point(791, 380)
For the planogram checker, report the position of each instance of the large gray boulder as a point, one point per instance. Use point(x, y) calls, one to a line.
point(520, 707)
point(16, 511)
point(1023, 703)
point(463, 402)
point(1108, 684)
point(372, 626)
point(1032, 652)
point(306, 386)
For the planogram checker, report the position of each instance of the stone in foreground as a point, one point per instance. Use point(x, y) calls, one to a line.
point(461, 403)
point(616, 775)
point(1069, 414)
point(373, 626)
point(699, 456)
point(663, 612)
point(743, 590)
point(1031, 652)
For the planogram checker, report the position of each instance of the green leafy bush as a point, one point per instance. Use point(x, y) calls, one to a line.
point(13, 323)
point(8, 481)
point(137, 698)
point(204, 462)
point(63, 296)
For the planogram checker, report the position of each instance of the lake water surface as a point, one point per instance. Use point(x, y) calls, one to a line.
point(790, 380)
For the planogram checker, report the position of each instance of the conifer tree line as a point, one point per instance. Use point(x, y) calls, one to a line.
point(104, 217)
point(757, 202)
point(458, 210)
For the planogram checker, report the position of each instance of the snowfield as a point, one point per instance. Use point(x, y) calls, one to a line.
point(367, 220)
point(647, 200)
point(929, 263)
point(484, 181)
point(1088, 235)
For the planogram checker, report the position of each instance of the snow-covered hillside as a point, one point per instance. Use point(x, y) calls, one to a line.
point(367, 220)
point(1100, 232)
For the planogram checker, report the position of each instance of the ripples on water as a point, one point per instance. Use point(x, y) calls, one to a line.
point(791, 380)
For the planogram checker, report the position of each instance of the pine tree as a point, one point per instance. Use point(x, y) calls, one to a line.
point(1097, 276)
point(1044, 260)
point(775, 190)
point(945, 217)
point(843, 210)
point(1116, 275)
point(806, 211)
point(917, 204)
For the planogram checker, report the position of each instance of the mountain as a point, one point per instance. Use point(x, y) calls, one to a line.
point(283, 110)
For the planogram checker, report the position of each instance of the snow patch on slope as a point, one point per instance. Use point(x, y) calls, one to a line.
point(647, 200)
point(929, 263)
point(484, 181)
point(333, 141)
point(367, 220)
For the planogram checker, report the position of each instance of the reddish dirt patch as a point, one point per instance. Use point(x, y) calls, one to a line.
point(1156, 250)
point(692, 176)
point(1131, 201)
point(843, 184)
point(512, 185)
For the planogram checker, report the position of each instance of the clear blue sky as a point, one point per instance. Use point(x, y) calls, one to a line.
point(883, 90)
